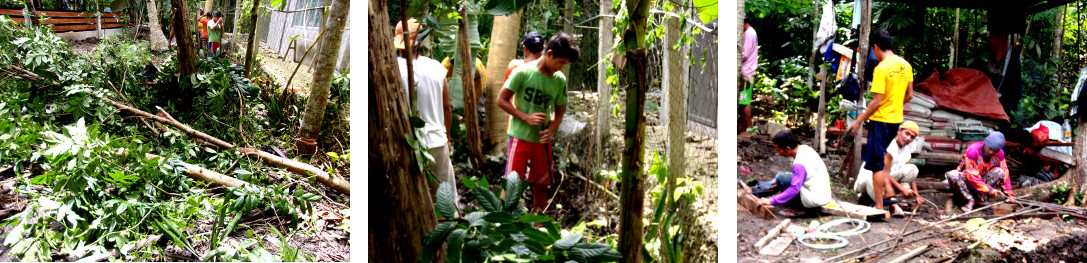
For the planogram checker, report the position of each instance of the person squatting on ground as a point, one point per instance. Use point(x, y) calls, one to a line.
point(215, 33)
point(530, 95)
point(980, 172)
point(808, 184)
point(432, 102)
point(748, 64)
point(892, 84)
point(532, 44)
point(897, 165)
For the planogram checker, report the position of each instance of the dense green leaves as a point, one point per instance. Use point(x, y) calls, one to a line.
point(507, 234)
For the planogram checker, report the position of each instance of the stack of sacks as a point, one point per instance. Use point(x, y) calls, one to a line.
point(918, 110)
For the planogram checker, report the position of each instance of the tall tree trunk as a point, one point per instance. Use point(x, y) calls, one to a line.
point(186, 58)
point(250, 49)
point(955, 43)
point(866, 29)
point(1058, 41)
point(675, 102)
point(158, 40)
point(471, 115)
point(208, 5)
point(504, 45)
point(306, 143)
point(397, 186)
point(568, 27)
point(631, 197)
point(603, 89)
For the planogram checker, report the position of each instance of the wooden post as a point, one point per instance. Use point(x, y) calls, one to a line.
point(1058, 42)
point(814, 51)
point(821, 124)
point(471, 115)
point(603, 89)
point(865, 30)
point(675, 96)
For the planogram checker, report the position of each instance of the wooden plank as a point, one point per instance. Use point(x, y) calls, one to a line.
point(11, 12)
point(777, 246)
point(66, 28)
point(74, 14)
point(771, 234)
point(851, 210)
point(16, 19)
point(58, 21)
point(1058, 156)
point(951, 157)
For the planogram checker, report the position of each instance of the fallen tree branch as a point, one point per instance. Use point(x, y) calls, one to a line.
point(293, 166)
point(602, 188)
point(300, 168)
point(198, 173)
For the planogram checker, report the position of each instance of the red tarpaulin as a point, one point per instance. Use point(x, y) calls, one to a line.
point(965, 90)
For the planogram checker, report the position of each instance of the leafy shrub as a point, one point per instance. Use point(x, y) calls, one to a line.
point(503, 232)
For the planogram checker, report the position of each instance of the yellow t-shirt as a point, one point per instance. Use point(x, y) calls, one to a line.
point(891, 78)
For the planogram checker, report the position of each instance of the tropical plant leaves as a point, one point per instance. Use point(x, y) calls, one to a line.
point(432, 242)
point(445, 200)
point(507, 7)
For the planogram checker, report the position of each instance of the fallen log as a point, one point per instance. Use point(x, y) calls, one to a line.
point(772, 234)
point(940, 186)
point(293, 166)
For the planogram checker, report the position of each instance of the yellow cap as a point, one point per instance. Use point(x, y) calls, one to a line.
point(910, 125)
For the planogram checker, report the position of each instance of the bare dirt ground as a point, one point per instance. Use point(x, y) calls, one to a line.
point(1048, 239)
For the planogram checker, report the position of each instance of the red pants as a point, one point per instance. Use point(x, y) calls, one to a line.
point(212, 47)
point(535, 157)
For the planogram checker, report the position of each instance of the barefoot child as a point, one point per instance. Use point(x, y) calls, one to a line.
point(530, 95)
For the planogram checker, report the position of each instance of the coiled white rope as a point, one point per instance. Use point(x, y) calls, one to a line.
point(862, 227)
point(841, 241)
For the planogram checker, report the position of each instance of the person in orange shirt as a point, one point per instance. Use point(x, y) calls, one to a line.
point(533, 44)
point(204, 17)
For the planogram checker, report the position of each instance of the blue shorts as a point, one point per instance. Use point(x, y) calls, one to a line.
point(880, 135)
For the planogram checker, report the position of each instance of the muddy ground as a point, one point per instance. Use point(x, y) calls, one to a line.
point(577, 195)
point(1035, 239)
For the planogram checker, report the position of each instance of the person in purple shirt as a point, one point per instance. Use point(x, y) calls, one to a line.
point(807, 188)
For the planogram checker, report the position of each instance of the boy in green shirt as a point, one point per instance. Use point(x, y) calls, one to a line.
point(536, 88)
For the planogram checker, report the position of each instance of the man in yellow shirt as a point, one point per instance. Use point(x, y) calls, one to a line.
point(892, 84)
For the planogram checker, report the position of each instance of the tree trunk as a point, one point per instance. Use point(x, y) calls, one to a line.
point(955, 42)
point(306, 143)
point(1058, 41)
point(504, 45)
point(603, 89)
point(397, 186)
point(186, 57)
point(250, 49)
point(631, 196)
point(158, 40)
point(675, 104)
point(208, 5)
point(568, 27)
point(471, 115)
point(209, 176)
point(866, 30)
point(34, 20)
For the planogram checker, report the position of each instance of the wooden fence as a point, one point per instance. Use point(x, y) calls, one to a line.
point(66, 21)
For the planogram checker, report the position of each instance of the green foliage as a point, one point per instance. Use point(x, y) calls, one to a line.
point(1060, 193)
point(794, 102)
point(661, 237)
point(504, 233)
point(504, 7)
